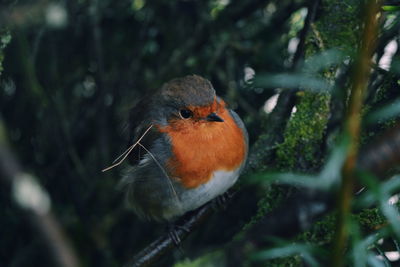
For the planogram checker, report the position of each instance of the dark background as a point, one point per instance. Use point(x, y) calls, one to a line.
point(72, 70)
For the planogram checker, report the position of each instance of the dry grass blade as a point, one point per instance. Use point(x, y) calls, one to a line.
point(124, 155)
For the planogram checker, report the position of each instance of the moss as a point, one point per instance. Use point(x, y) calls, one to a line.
point(292, 261)
point(215, 258)
point(370, 219)
point(304, 132)
point(321, 233)
point(339, 31)
point(384, 96)
point(272, 198)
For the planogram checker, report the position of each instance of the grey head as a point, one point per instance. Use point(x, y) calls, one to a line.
point(191, 90)
point(165, 105)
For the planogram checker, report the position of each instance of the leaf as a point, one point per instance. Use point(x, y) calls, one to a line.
point(385, 113)
point(307, 77)
point(380, 193)
point(329, 175)
point(303, 250)
point(375, 189)
point(373, 261)
point(323, 60)
point(294, 81)
point(390, 8)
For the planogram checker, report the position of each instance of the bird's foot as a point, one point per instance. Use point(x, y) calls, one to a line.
point(221, 201)
point(173, 232)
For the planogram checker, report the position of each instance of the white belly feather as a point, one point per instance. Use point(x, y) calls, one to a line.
point(217, 185)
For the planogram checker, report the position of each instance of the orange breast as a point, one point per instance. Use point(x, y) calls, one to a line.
point(202, 147)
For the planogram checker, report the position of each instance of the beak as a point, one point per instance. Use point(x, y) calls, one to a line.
point(214, 117)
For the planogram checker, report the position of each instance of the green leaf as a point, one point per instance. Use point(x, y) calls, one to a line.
point(323, 60)
point(308, 75)
point(390, 8)
point(293, 81)
point(385, 113)
point(329, 175)
point(304, 250)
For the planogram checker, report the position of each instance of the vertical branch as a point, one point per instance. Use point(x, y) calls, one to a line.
point(299, 54)
point(359, 81)
point(34, 201)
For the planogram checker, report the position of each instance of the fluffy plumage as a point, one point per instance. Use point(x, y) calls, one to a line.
point(185, 162)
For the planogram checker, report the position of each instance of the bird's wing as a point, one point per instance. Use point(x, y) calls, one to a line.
point(240, 123)
point(138, 125)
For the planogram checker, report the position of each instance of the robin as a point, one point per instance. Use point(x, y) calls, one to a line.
point(189, 148)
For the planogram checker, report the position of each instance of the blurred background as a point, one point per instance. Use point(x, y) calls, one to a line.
point(71, 70)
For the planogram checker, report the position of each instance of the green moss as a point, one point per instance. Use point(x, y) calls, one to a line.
point(292, 261)
point(215, 258)
point(272, 198)
point(321, 233)
point(370, 219)
point(384, 96)
point(339, 31)
point(304, 132)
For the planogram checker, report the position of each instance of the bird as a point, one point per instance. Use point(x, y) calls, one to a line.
point(186, 148)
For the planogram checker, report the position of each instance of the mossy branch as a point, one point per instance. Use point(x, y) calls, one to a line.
point(264, 148)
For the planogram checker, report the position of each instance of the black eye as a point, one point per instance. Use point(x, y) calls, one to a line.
point(185, 113)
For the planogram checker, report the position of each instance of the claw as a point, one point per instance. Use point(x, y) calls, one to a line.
point(174, 234)
point(221, 201)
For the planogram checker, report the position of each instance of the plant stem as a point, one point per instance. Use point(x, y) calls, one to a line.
point(359, 82)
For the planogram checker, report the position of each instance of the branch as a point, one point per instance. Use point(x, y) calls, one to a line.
point(279, 117)
point(295, 215)
point(35, 204)
point(164, 244)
